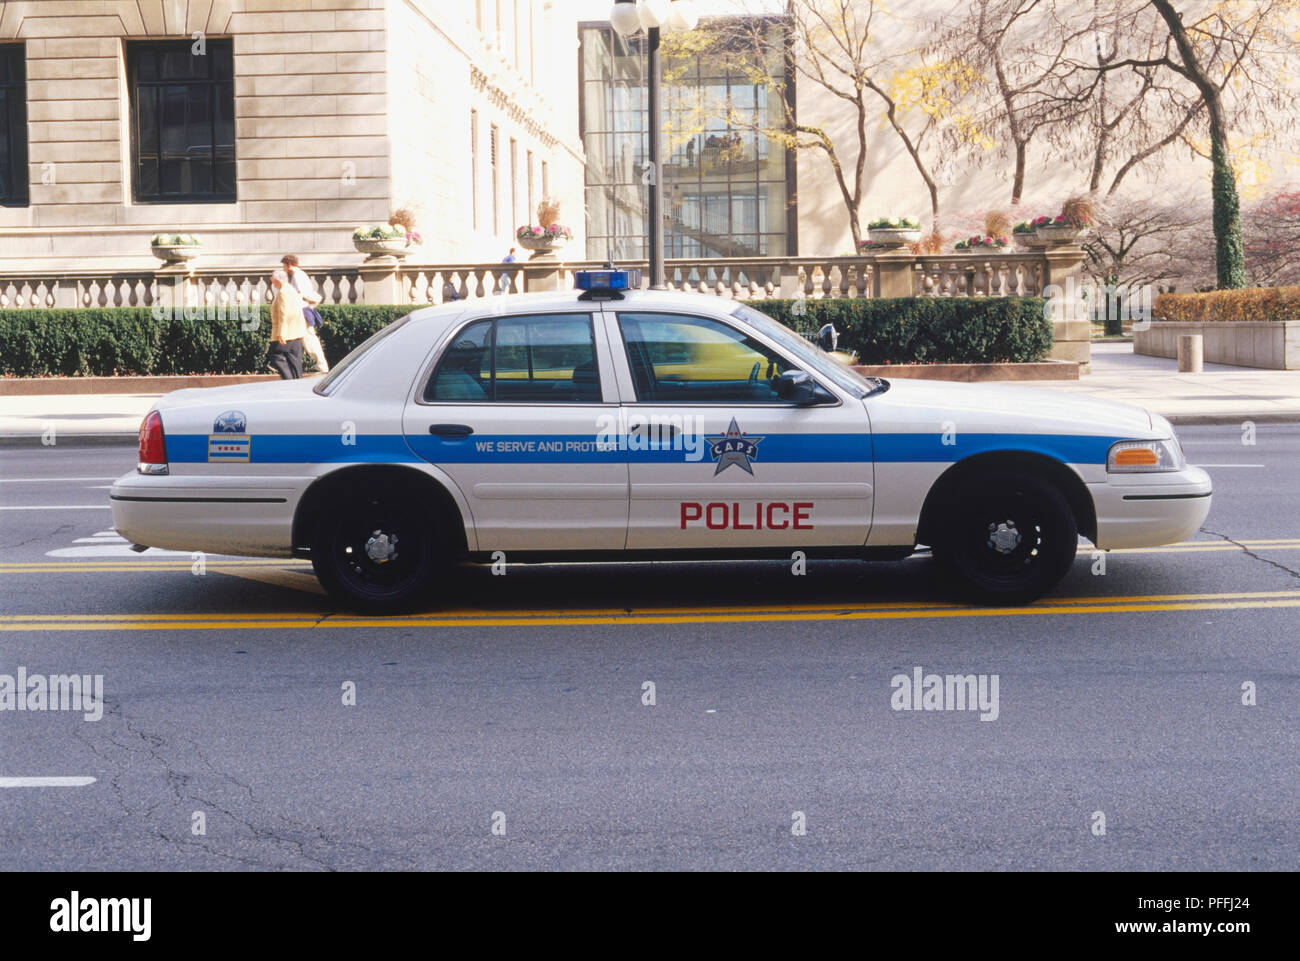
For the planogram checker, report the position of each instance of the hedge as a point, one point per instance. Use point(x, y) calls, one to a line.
point(1251, 303)
point(108, 341)
point(926, 330)
point(128, 340)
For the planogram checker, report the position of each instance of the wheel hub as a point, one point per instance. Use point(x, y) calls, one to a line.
point(381, 547)
point(1004, 537)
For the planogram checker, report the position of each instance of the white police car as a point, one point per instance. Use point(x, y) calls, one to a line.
point(612, 425)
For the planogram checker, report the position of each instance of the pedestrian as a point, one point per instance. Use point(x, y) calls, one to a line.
point(287, 328)
point(506, 282)
point(306, 288)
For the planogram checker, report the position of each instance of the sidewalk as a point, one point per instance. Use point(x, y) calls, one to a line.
point(1220, 395)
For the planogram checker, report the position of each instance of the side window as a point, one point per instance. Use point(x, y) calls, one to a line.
point(465, 371)
point(533, 359)
point(677, 359)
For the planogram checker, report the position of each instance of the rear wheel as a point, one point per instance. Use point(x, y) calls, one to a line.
point(1007, 538)
point(377, 550)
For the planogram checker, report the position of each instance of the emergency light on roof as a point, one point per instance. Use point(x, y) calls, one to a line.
point(606, 283)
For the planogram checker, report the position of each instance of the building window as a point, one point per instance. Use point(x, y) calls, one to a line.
point(496, 191)
point(473, 166)
point(531, 206)
point(13, 125)
point(729, 188)
point(182, 122)
point(514, 183)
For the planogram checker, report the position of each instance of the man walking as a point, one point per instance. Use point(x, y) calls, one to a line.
point(287, 328)
point(306, 287)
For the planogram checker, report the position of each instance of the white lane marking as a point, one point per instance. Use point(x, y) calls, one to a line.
point(114, 550)
point(47, 480)
point(46, 781)
point(113, 544)
point(59, 507)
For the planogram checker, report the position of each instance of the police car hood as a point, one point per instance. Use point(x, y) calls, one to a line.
point(1003, 408)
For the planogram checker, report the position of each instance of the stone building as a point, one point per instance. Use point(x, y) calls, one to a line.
point(267, 126)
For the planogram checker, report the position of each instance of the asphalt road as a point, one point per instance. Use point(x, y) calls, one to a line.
point(1121, 694)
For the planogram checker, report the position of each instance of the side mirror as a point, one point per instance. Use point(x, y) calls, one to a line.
point(798, 387)
point(828, 338)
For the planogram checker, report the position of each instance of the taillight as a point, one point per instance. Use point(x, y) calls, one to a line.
point(153, 445)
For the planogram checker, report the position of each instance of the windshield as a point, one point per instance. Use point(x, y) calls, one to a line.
point(340, 369)
point(843, 376)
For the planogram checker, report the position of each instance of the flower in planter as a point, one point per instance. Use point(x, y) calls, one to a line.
point(978, 241)
point(1041, 221)
point(895, 223)
point(534, 231)
point(1024, 227)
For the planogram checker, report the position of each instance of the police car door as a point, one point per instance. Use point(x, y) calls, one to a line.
point(510, 410)
point(718, 459)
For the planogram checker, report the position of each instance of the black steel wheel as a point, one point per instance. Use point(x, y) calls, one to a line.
point(1009, 538)
point(377, 551)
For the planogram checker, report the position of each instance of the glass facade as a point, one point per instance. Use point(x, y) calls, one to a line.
point(728, 184)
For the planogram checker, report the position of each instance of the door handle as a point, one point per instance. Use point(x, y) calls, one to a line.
point(651, 429)
point(451, 430)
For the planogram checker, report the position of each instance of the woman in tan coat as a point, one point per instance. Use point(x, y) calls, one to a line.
point(287, 328)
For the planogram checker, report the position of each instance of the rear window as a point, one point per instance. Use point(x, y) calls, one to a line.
point(340, 370)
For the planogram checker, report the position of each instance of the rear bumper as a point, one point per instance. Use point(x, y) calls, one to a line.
point(182, 514)
point(1144, 510)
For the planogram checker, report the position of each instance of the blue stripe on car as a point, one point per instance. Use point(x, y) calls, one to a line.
point(511, 448)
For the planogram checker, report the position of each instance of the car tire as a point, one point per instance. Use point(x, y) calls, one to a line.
point(378, 551)
point(1008, 538)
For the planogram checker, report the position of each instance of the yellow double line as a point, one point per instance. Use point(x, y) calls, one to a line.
point(228, 565)
point(469, 617)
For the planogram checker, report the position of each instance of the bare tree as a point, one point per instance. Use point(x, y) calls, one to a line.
point(1224, 59)
point(1272, 239)
point(833, 46)
point(1020, 51)
point(1135, 241)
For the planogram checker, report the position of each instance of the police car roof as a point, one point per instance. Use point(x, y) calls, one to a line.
point(522, 303)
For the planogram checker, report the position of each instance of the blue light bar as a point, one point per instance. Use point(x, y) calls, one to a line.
point(603, 280)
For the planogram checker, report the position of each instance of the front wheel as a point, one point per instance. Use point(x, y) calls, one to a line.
point(1009, 538)
point(377, 551)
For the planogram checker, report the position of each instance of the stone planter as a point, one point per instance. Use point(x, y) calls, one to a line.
point(374, 248)
point(1058, 233)
point(544, 246)
point(893, 236)
point(1030, 241)
point(175, 254)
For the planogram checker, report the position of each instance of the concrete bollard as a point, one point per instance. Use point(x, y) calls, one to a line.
point(1191, 352)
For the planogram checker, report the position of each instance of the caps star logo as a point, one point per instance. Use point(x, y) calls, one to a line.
point(734, 447)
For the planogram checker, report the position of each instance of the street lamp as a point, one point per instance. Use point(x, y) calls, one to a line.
point(627, 17)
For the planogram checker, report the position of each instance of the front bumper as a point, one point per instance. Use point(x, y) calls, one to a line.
point(1144, 510)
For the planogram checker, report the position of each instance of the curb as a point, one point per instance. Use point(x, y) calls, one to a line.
point(65, 386)
point(1235, 420)
point(102, 439)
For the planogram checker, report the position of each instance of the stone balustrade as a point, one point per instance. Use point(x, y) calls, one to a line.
point(884, 273)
